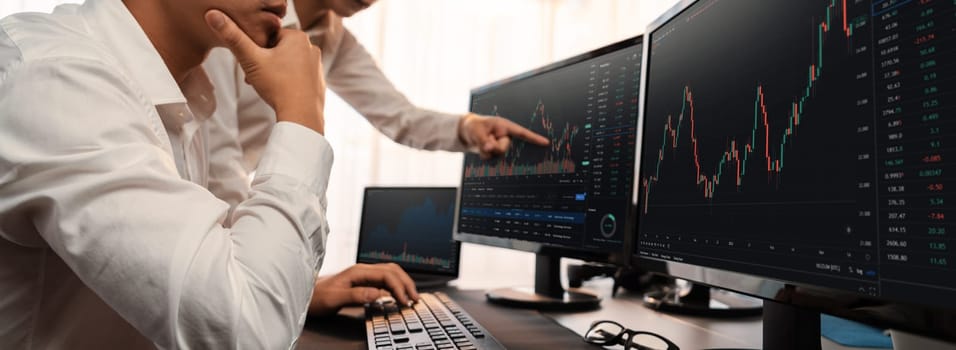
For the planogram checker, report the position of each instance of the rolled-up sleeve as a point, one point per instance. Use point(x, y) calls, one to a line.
point(90, 174)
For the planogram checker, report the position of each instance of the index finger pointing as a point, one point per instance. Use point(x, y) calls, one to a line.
point(528, 135)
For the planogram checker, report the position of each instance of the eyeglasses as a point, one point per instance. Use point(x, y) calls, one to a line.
point(606, 333)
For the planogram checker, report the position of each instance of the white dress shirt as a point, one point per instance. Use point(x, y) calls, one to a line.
point(109, 237)
point(350, 72)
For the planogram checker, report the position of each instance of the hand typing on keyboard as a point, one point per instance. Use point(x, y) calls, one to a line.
point(362, 284)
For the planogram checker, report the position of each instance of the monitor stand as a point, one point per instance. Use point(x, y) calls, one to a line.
point(548, 293)
point(698, 303)
point(426, 281)
point(787, 327)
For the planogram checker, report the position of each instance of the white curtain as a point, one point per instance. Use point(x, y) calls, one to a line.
point(435, 51)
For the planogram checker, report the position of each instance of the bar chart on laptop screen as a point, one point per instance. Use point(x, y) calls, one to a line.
point(812, 129)
point(409, 228)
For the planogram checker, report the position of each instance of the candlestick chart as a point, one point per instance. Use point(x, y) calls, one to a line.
point(761, 150)
point(524, 159)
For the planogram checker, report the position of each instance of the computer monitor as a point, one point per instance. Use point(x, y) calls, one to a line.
point(412, 227)
point(798, 151)
point(572, 198)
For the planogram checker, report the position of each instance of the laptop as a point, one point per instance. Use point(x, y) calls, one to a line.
point(412, 227)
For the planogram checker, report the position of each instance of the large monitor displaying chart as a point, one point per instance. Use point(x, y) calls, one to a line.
point(576, 192)
point(573, 197)
point(804, 142)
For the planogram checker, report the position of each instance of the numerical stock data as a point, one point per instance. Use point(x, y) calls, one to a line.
point(814, 130)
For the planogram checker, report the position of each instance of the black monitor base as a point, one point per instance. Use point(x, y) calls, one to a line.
point(698, 303)
point(548, 293)
point(526, 298)
point(425, 281)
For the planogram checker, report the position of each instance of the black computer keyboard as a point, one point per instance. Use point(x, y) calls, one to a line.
point(434, 323)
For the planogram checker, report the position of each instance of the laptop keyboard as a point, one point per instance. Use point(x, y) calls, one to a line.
point(434, 323)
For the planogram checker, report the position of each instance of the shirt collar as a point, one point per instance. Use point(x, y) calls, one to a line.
point(116, 27)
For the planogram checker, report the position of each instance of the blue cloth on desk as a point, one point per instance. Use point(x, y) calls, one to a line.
point(849, 333)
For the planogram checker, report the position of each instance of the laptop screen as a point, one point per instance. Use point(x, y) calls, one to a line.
point(410, 226)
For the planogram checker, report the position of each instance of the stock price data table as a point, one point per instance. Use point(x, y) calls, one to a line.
point(814, 130)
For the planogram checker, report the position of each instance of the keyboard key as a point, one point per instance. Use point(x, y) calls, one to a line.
point(397, 328)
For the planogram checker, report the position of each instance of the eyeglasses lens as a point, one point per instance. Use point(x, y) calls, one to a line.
point(603, 333)
point(647, 342)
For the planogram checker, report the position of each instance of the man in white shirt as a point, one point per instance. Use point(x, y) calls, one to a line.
point(109, 237)
point(351, 72)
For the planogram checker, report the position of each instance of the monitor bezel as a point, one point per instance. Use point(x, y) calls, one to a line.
point(801, 295)
point(412, 269)
point(619, 257)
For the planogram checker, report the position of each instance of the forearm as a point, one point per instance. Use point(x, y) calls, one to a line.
point(267, 261)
